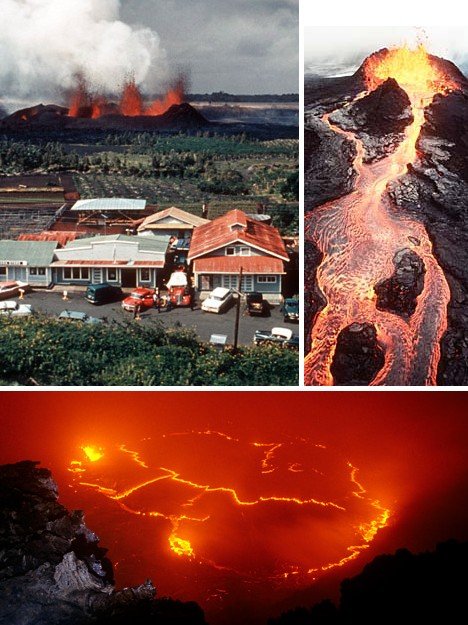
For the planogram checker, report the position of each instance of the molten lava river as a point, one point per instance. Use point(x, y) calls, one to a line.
point(209, 516)
point(359, 235)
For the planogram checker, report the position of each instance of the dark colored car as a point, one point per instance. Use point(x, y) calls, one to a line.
point(75, 315)
point(256, 305)
point(103, 293)
point(283, 337)
point(291, 309)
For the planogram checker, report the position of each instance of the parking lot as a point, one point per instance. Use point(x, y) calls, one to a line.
point(205, 324)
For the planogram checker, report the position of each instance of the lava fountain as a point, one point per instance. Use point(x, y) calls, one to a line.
point(88, 104)
point(360, 233)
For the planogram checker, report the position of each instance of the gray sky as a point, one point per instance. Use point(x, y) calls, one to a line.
point(239, 46)
point(329, 48)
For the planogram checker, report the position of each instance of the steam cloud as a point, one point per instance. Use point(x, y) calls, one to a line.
point(45, 43)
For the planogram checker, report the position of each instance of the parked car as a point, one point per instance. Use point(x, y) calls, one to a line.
point(12, 288)
point(291, 309)
point(103, 293)
point(283, 337)
point(10, 307)
point(140, 296)
point(218, 300)
point(75, 315)
point(179, 291)
point(256, 305)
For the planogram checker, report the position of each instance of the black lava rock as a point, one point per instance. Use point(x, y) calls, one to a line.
point(328, 164)
point(398, 293)
point(358, 357)
point(379, 119)
point(52, 569)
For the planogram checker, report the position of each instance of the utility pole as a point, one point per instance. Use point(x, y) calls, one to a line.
point(236, 326)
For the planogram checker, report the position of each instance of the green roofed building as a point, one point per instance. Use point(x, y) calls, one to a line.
point(118, 259)
point(28, 261)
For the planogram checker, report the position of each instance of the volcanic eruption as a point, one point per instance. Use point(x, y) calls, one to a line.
point(89, 108)
point(86, 103)
point(369, 253)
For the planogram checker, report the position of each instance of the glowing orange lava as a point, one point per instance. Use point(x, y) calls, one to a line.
point(410, 67)
point(359, 235)
point(180, 546)
point(85, 103)
point(196, 510)
point(93, 453)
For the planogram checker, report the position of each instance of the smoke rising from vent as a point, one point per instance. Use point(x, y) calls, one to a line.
point(45, 43)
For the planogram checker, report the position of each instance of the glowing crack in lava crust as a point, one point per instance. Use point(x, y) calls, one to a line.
point(278, 513)
point(359, 235)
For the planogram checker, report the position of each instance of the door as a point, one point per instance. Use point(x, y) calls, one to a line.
point(129, 278)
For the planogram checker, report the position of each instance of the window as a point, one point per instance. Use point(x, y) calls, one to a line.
point(265, 279)
point(3, 271)
point(145, 275)
point(247, 283)
point(244, 251)
point(76, 273)
point(230, 251)
point(37, 271)
point(111, 274)
point(230, 281)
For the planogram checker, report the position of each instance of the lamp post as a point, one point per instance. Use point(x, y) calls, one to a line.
point(236, 325)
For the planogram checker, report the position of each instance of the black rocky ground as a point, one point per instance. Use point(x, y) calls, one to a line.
point(328, 163)
point(426, 587)
point(379, 119)
point(52, 117)
point(434, 190)
point(398, 293)
point(52, 569)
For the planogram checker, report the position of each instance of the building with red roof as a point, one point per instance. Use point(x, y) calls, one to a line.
point(220, 248)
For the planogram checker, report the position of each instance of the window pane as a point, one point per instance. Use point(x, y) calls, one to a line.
point(85, 273)
point(67, 273)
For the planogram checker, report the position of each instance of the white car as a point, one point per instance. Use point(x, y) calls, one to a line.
point(218, 300)
point(15, 309)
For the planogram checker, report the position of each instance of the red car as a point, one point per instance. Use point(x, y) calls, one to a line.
point(139, 296)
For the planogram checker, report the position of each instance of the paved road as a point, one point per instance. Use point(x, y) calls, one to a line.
point(205, 324)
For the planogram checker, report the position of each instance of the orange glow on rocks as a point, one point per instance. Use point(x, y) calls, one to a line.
point(410, 67)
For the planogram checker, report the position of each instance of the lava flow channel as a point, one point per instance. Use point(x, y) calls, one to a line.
point(283, 512)
point(359, 235)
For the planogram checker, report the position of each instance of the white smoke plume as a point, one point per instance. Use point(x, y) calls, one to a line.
point(45, 43)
